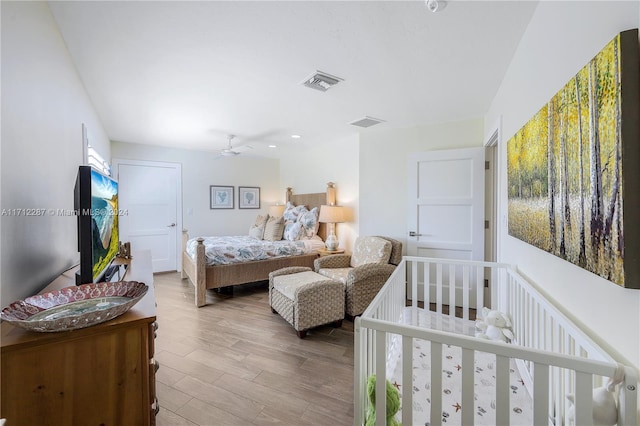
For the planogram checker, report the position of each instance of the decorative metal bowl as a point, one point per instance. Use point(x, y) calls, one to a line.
point(74, 307)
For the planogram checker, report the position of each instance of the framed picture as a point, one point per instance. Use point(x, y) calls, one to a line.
point(249, 197)
point(221, 197)
point(572, 169)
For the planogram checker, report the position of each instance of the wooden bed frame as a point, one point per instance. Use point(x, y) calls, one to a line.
point(206, 277)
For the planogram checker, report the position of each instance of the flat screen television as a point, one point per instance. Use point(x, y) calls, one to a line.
point(96, 206)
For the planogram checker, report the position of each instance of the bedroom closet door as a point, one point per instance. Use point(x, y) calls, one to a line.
point(150, 193)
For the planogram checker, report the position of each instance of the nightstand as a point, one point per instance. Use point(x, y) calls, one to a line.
point(325, 252)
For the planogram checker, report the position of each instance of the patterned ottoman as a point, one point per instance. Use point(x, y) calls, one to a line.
point(306, 299)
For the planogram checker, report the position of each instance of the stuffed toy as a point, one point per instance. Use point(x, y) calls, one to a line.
point(494, 325)
point(605, 410)
point(393, 403)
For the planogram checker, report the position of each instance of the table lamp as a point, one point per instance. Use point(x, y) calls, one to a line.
point(276, 210)
point(332, 215)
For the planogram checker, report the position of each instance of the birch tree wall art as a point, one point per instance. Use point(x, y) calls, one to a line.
point(573, 170)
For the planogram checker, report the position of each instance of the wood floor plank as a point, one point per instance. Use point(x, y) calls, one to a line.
point(201, 413)
point(263, 394)
point(237, 368)
point(170, 397)
point(326, 368)
point(168, 375)
point(174, 346)
point(307, 391)
point(240, 406)
point(169, 418)
point(277, 416)
point(233, 362)
point(262, 350)
point(203, 338)
point(312, 415)
point(283, 367)
point(188, 367)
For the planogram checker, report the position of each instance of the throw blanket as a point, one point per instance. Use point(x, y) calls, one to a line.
point(238, 249)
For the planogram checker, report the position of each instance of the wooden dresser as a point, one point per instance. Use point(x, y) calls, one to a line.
point(99, 375)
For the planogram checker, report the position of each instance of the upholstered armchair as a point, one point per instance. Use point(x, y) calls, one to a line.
point(364, 272)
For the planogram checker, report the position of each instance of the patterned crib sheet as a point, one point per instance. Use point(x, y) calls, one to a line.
point(238, 249)
point(521, 406)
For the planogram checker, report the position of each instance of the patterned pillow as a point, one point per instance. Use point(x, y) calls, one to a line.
point(293, 231)
point(292, 212)
point(370, 250)
point(309, 221)
point(273, 229)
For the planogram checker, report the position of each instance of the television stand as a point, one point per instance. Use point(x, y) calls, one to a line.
point(103, 374)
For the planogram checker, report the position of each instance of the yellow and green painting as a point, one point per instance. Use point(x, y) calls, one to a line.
point(565, 174)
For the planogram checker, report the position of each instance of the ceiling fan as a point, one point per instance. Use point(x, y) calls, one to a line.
point(230, 151)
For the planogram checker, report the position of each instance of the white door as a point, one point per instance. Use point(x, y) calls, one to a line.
point(149, 192)
point(446, 204)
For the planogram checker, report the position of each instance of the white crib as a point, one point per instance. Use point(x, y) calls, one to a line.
point(553, 355)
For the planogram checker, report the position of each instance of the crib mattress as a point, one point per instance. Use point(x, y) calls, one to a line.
point(484, 380)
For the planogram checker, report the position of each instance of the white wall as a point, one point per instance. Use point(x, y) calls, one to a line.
point(560, 39)
point(43, 107)
point(383, 170)
point(201, 169)
point(310, 170)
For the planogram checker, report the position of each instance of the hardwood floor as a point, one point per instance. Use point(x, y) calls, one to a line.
point(234, 362)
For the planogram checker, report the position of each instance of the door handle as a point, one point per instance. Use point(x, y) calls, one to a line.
point(173, 225)
point(415, 234)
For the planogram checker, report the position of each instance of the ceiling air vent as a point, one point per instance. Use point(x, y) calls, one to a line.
point(366, 122)
point(321, 81)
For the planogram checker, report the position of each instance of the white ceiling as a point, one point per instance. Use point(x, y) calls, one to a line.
point(187, 74)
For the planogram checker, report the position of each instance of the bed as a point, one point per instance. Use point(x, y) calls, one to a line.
point(205, 276)
point(549, 360)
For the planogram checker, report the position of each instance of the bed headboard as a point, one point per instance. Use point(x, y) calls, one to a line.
point(314, 200)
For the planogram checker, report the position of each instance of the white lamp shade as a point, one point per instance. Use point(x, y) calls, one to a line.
point(277, 210)
point(333, 214)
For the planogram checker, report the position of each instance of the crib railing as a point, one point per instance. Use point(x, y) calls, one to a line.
point(554, 356)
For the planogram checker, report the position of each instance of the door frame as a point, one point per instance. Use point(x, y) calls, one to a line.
point(116, 162)
point(493, 142)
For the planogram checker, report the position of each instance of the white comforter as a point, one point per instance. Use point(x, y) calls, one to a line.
point(238, 249)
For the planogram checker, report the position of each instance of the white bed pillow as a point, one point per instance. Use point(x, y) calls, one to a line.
point(261, 219)
point(257, 229)
point(273, 229)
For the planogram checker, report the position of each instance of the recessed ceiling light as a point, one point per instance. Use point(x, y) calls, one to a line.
point(295, 136)
point(272, 146)
point(436, 5)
